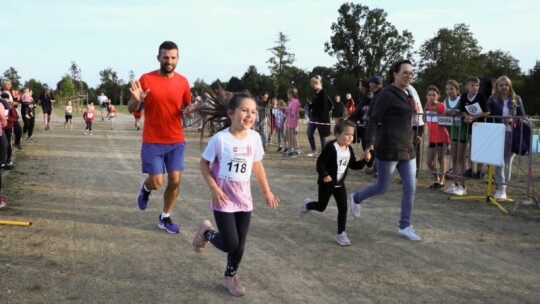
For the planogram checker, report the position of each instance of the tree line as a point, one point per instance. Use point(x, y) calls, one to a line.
point(364, 43)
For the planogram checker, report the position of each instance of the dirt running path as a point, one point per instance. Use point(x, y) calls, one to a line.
point(89, 243)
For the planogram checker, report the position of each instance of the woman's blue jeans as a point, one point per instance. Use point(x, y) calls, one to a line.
point(385, 171)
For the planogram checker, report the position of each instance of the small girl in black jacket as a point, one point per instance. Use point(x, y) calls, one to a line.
point(332, 166)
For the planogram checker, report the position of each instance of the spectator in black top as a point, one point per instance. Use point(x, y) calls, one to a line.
point(319, 114)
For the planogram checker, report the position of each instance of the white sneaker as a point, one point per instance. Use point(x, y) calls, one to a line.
point(500, 194)
point(450, 189)
point(355, 208)
point(342, 239)
point(311, 154)
point(303, 209)
point(409, 233)
point(459, 190)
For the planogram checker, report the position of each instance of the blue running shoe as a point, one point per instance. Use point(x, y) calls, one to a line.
point(167, 224)
point(143, 198)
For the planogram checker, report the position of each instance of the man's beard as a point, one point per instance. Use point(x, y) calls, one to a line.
point(165, 69)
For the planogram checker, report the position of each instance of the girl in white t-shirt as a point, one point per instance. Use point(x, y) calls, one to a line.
point(226, 165)
point(332, 165)
point(69, 115)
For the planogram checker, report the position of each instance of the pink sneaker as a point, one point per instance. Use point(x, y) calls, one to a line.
point(199, 242)
point(233, 284)
point(2, 202)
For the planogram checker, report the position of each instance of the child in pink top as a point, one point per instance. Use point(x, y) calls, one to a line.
point(226, 165)
point(111, 115)
point(27, 101)
point(88, 117)
point(291, 123)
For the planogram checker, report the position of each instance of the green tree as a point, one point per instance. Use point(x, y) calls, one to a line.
point(451, 54)
point(111, 85)
point(252, 80)
point(282, 57)
point(365, 43)
point(75, 72)
point(498, 63)
point(65, 87)
point(13, 75)
point(199, 86)
point(235, 84)
point(530, 92)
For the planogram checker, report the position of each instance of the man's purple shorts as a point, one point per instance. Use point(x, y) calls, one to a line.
point(161, 158)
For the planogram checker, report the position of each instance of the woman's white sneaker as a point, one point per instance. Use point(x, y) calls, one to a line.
point(355, 208)
point(409, 233)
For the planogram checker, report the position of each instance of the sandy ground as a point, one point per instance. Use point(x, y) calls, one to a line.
point(89, 243)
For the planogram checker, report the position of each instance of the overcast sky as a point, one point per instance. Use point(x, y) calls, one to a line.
point(220, 39)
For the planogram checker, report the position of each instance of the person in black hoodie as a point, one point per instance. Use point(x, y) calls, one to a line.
point(332, 165)
point(319, 115)
point(389, 135)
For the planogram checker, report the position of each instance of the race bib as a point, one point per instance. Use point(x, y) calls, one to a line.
point(236, 165)
point(432, 116)
point(450, 121)
point(90, 115)
point(474, 109)
point(342, 163)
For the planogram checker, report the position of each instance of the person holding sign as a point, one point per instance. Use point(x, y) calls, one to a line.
point(506, 103)
point(226, 165)
point(474, 108)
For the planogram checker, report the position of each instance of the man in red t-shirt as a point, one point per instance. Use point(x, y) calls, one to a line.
point(164, 94)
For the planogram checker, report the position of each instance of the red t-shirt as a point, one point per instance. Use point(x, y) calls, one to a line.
point(88, 115)
point(162, 107)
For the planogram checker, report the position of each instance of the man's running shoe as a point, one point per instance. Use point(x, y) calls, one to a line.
point(167, 224)
point(143, 197)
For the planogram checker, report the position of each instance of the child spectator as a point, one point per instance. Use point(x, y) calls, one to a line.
point(458, 135)
point(226, 165)
point(279, 114)
point(332, 165)
point(88, 117)
point(474, 108)
point(438, 136)
point(291, 123)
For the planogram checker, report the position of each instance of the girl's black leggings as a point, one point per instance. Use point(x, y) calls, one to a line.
point(231, 238)
point(340, 195)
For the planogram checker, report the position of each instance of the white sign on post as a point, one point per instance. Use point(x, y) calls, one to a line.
point(488, 143)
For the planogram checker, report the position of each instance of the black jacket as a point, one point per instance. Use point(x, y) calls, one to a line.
point(320, 112)
point(327, 164)
point(389, 128)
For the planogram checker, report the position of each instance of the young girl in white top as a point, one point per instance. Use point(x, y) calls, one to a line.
point(226, 165)
point(69, 115)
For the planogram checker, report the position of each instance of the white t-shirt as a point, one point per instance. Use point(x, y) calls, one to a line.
point(231, 165)
point(343, 157)
point(102, 99)
point(417, 119)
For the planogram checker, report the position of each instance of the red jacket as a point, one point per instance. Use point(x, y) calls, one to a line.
point(12, 118)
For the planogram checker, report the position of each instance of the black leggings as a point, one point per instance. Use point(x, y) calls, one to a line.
point(340, 195)
point(17, 130)
point(8, 133)
point(89, 126)
point(29, 125)
point(231, 238)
